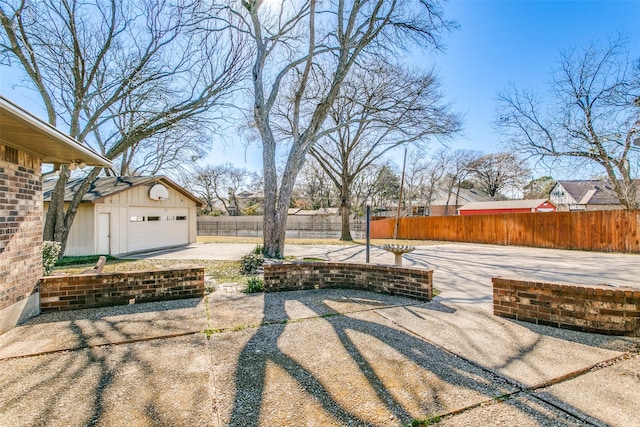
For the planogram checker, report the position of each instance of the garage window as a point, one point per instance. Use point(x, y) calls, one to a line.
point(181, 218)
point(153, 218)
point(136, 219)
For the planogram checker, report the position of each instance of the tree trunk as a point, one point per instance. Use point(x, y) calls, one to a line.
point(275, 218)
point(273, 230)
point(72, 209)
point(58, 221)
point(345, 210)
point(55, 213)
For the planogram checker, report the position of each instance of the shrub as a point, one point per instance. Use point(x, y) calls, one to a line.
point(254, 285)
point(50, 253)
point(252, 262)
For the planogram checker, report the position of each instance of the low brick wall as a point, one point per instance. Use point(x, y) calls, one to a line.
point(72, 292)
point(400, 281)
point(590, 308)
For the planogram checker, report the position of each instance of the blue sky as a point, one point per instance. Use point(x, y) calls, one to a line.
point(503, 42)
point(498, 42)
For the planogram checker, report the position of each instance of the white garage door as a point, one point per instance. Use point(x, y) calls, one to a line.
point(154, 228)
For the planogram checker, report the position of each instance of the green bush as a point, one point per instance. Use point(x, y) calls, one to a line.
point(252, 262)
point(254, 285)
point(50, 253)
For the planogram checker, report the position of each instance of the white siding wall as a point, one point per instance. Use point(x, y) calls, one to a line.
point(133, 202)
point(82, 239)
point(83, 235)
point(560, 196)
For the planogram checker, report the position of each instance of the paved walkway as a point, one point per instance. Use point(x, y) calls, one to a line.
point(325, 357)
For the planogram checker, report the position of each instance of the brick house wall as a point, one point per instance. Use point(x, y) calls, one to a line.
point(72, 292)
point(589, 308)
point(20, 235)
point(400, 281)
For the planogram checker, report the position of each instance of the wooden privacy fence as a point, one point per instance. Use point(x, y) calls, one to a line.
point(605, 231)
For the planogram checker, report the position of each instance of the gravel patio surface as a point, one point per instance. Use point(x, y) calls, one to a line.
point(310, 358)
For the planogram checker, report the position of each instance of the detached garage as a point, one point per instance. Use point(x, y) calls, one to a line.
point(121, 215)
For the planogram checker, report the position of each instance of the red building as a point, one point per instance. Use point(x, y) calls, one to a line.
point(507, 206)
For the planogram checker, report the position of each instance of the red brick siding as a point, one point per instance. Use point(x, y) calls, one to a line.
point(601, 309)
point(20, 226)
point(401, 281)
point(59, 293)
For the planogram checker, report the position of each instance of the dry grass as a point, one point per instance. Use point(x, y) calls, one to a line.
point(258, 241)
point(221, 271)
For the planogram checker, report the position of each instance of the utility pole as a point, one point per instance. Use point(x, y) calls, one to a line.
point(404, 164)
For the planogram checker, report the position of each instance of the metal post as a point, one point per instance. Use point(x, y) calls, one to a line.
point(368, 232)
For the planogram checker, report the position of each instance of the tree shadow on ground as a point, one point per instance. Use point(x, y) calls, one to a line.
point(608, 342)
point(107, 384)
point(77, 329)
point(450, 374)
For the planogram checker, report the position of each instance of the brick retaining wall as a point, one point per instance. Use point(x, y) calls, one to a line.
point(590, 308)
point(72, 292)
point(400, 281)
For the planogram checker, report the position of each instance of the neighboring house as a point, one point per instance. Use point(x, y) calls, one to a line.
point(442, 204)
point(584, 195)
point(27, 142)
point(457, 199)
point(507, 206)
point(120, 215)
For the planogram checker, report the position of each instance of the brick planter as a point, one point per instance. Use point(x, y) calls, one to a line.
point(72, 292)
point(401, 281)
point(590, 308)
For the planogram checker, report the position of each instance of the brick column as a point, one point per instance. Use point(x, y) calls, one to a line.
point(20, 236)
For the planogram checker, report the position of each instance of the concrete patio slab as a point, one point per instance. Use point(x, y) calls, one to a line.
point(233, 308)
point(521, 411)
point(351, 370)
point(67, 330)
point(330, 357)
point(517, 353)
point(160, 382)
point(610, 396)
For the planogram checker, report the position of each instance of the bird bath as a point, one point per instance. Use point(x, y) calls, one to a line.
point(398, 250)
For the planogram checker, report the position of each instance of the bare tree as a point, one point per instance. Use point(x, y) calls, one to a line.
point(592, 115)
point(298, 45)
point(221, 183)
point(116, 73)
point(423, 178)
point(314, 189)
point(457, 171)
point(175, 150)
point(379, 108)
point(495, 173)
point(415, 177)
